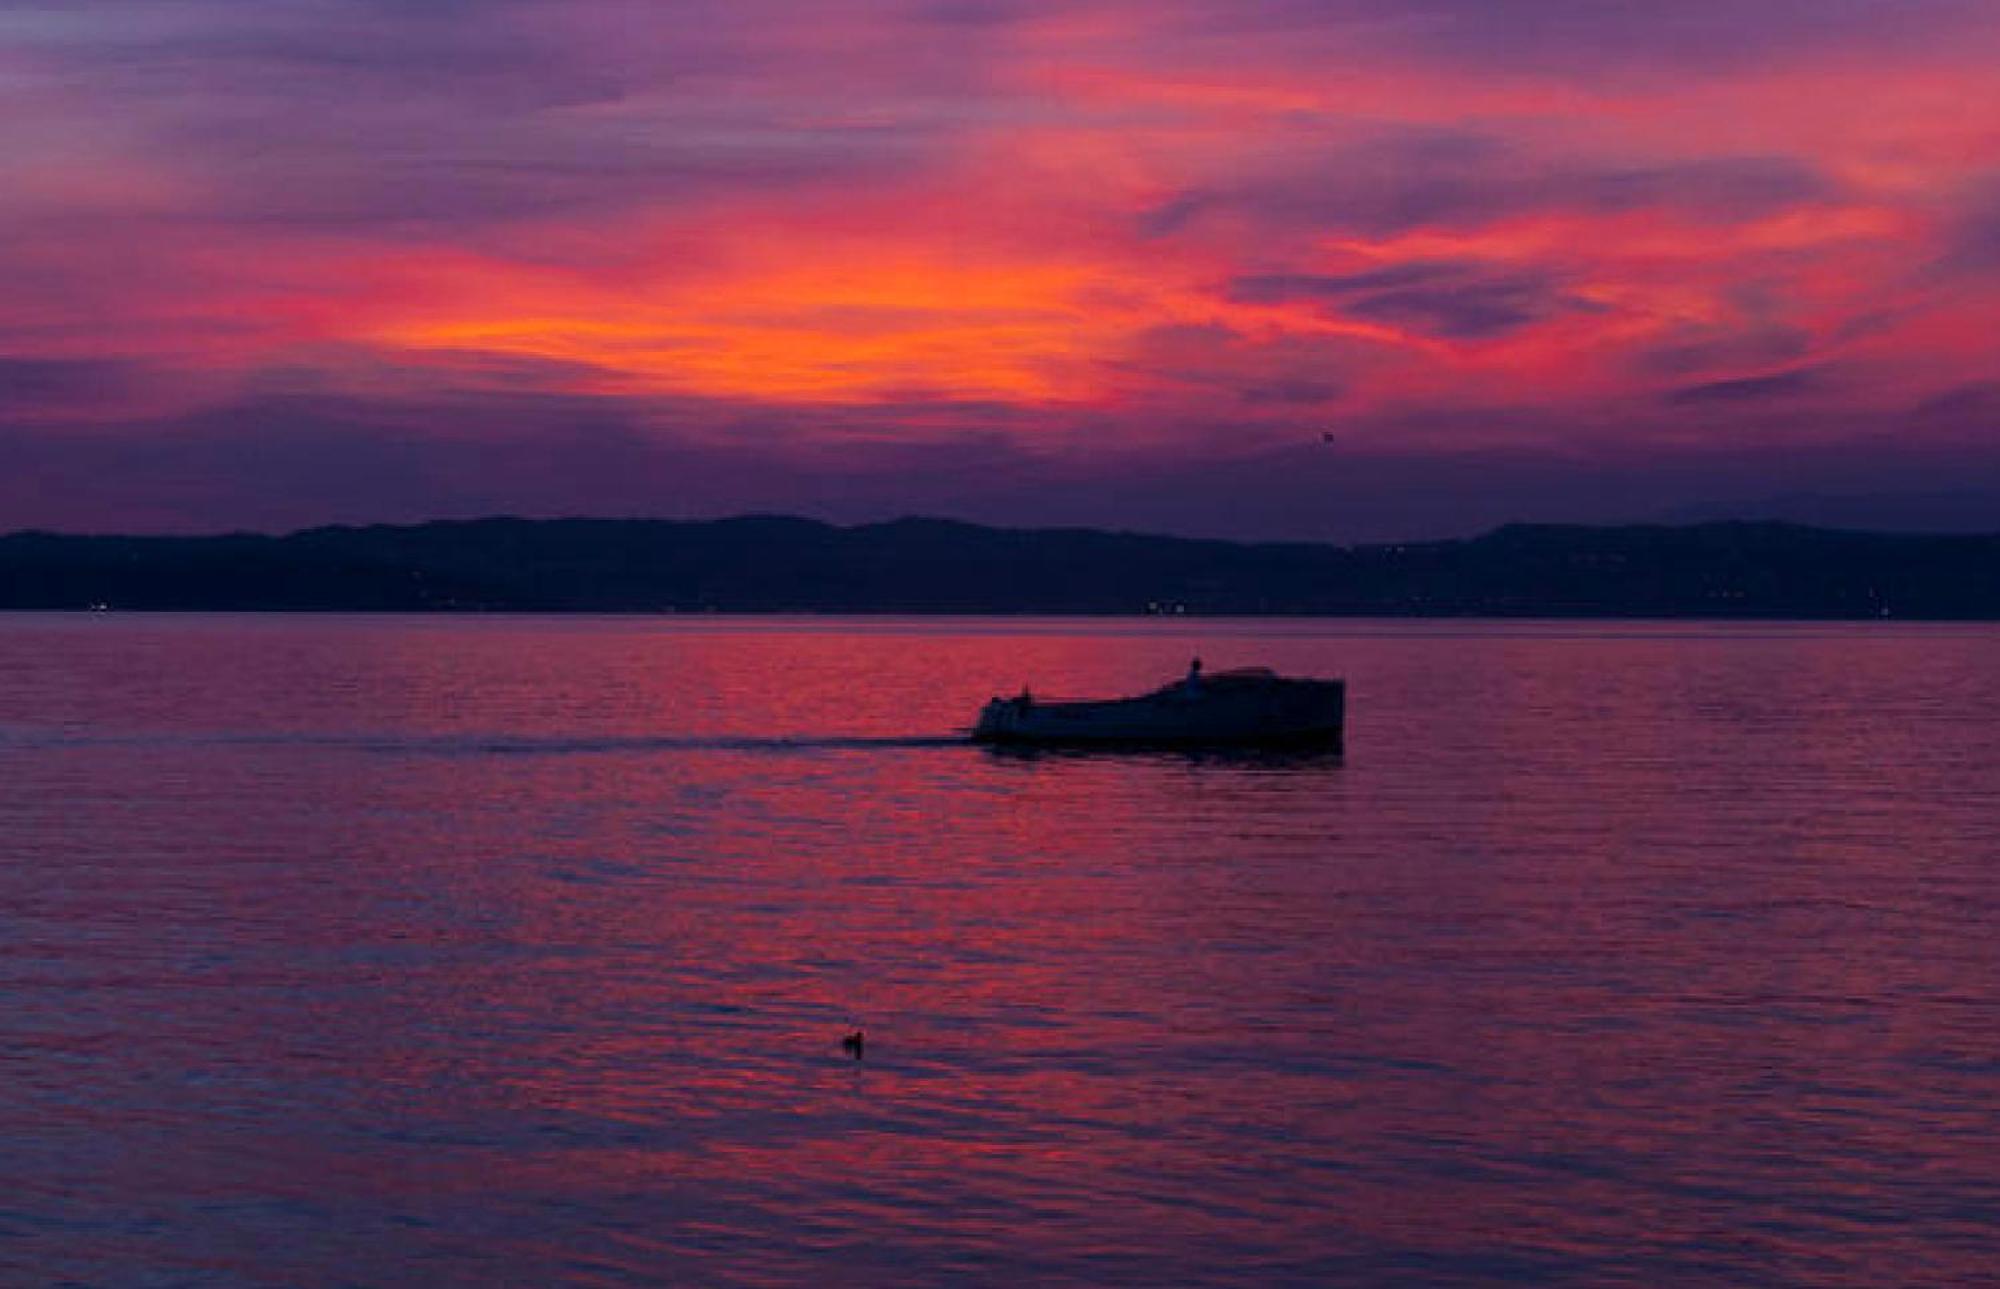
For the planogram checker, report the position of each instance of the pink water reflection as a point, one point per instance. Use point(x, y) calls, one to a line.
point(519, 951)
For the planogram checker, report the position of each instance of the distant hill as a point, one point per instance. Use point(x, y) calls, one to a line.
point(1888, 512)
point(772, 564)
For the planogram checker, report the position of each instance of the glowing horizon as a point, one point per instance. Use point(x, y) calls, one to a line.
point(734, 247)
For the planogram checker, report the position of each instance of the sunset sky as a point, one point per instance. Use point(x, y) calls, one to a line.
point(1311, 268)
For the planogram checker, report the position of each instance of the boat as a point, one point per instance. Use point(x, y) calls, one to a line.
point(1247, 707)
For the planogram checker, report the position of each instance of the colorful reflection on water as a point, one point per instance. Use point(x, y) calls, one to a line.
point(482, 951)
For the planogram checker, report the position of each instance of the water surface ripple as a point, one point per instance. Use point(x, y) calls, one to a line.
point(517, 951)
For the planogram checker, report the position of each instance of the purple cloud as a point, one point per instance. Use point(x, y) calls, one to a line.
point(1973, 248)
point(1457, 300)
point(1599, 38)
point(341, 114)
point(1214, 367)
point(1394, 182)
point(39, 384)
point(240, 208)
point(1748, 389)
point(1693, 350)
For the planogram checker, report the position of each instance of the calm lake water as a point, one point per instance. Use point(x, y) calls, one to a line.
point(449, 951)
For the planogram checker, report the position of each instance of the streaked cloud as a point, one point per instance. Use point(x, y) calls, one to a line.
point(1100, 236)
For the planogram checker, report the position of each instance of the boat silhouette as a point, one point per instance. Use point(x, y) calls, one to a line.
point(1246, 707)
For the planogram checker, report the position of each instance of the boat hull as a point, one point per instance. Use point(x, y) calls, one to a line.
point(1268, 713)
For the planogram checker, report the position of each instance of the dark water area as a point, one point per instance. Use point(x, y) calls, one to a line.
point(518, 951)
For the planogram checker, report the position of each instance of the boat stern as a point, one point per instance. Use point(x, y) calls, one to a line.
point(999, 720)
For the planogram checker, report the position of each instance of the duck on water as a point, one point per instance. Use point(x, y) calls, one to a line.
point(1250, 706)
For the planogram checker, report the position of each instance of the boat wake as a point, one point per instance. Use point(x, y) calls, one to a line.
point(482, 744)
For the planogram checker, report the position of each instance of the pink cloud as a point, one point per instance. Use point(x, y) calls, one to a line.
point(1164, 234)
